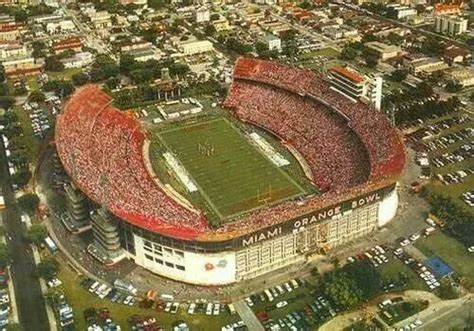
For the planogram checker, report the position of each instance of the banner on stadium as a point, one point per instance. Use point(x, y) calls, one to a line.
point(313, 217)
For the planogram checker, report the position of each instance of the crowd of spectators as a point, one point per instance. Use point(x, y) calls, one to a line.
point(101, 148)
point(335, 155)
point(383, 145)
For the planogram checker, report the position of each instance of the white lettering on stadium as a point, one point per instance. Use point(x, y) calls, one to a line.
point(316, 217)
point(261, 236)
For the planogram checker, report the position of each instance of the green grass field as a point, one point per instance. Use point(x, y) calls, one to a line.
point(235, 177)
point(450, 251)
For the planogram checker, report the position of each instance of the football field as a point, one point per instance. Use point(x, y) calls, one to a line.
point(232, 175)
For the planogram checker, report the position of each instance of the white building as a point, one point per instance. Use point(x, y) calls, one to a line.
point(383, 51)
point(78, 60)
point(356, 86)
point(273, 42)
point(201, 15)
point(11, 51)
point(196, 47)
point(60, 26)
point(403, 11)
point(452, 25)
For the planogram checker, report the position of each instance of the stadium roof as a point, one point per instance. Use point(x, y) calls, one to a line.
point(102, 149)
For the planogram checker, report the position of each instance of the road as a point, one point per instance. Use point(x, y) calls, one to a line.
point(407, 26)
point(31, 308)
point(91, 40)
point(443, 315)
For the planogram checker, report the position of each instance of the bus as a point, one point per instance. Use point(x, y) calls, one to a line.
point(51, 245)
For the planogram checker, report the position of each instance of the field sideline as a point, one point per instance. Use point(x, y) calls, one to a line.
point(232, 175)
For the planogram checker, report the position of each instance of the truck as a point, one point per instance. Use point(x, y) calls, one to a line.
point(2, 201)
point(51, 245)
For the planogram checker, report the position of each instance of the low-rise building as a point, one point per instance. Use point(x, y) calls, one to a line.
point(12, 50)
point(9, 33)
point(59, 25)
point(383, 51)
point(455, 54)
point(72, 43)
point(403, 11)
point(196, 47)
point(23, 66)
point(100, 19)
point(222, 24)
point(462, 76)
point(446, 9)
point(143, 54)
point(78, 60)
point(201, 15)
point(353, 85)
point(272, 42)
point(426, 66)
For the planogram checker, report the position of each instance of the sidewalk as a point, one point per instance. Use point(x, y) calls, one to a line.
point(247, 315)
point(44, 289)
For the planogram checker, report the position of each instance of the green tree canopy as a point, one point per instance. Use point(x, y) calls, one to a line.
point(37, 233)
point(47, 269)
point(4, 255)
point(29, 203)
point(36, 96)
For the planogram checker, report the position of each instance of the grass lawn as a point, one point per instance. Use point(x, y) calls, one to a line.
point(326, 52)
point(231, 174)
point(65, 74)
point(80, 299)
point(451, 252)
point(391, 273)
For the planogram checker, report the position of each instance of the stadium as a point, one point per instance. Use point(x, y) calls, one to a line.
point(289, 168)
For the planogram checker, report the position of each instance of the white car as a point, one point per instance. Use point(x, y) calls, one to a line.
point(414, 237)
point(281, 304)
point(405, 242)
point(249, 301)
point(191, 308)
point(217, 309)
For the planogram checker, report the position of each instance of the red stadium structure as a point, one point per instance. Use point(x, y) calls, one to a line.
point(349, 147)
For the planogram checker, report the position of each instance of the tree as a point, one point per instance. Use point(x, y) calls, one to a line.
point(37, 233)
point(371, 61)
point(21, 177)
point(2, 73)
point(156, 4)
point(432, 47)
point(210, 30)
point(47, 269)
point(6, 102)
point(80, 79)
point(38, 49)
point(52, 63)
point(348, 53)
point(399, 75)
point(214, 16)
point(453, 87)
point(36, 96)
point(365, 277)
point(4, 255)
point(447, 291)
point(126, 63)
point(178, 69)
point(113, 82)
point(341, 289)
point(29, 203)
